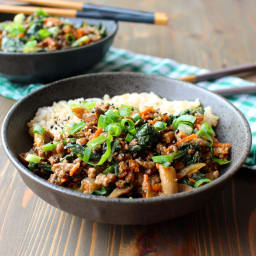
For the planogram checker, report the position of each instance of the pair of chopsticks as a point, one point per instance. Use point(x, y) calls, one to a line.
point(222, 73)
point(76, 9)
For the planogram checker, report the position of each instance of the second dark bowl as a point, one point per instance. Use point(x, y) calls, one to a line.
point(232, 128)
point(50, 66)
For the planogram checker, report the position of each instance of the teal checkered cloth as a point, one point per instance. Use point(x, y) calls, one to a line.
point(122, 60)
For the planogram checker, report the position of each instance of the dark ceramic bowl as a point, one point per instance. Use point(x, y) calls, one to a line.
point(232, 128)
point(50, 66)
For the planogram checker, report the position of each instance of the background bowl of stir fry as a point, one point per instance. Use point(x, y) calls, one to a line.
point(42, 48)
point(156, 147)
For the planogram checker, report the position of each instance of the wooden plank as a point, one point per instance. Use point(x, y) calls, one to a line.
point(209, 34)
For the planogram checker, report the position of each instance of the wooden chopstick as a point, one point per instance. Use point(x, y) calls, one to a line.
point(29, 10)
point(213, 75)
point(236, 91)
point(105, 12)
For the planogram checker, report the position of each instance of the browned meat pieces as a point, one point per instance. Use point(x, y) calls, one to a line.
point(146, 164)
point(92, 172)
point(90, 117)
point(168, 137)
point(61, 173)
point(105, 179)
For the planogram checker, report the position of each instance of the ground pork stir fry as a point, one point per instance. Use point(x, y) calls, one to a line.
point(121, 152)
point(40, 32)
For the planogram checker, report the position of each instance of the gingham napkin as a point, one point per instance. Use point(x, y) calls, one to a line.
point(122, 60)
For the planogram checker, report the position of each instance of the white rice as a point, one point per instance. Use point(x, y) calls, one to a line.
point(54, 118)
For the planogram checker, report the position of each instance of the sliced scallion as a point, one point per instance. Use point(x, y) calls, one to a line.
point(136, 117)
point(38, 129)
point(97, 141)
point(87, 154)
point(159, 126)
point(128, 125)
point(90, 105)
point(129, 137)
point(102, 122)
point(114, 129)
point(125, 110)
point(74, 128)
point(201, 182)
point(81, 41)
point(188, 119)
point(206, 132)
point(205, 126)
point(49, 147)
point(31, 158)
point(112, 115)
point(167, 158)
point(185, 128)
point(219, 161)
point(110, 169)
point(44, 33)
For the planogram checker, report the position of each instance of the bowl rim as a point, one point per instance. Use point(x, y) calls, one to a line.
point(103, 40)
point(68, 192)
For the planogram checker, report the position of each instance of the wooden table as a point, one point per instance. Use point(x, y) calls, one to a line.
point(210, 34)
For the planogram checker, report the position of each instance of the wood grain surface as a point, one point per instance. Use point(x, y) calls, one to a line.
point(210, 34)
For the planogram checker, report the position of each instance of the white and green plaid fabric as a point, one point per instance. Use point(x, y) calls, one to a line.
point(122, 60)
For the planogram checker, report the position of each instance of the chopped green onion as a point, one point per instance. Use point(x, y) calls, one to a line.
point(87, 154)
point(75, 149)
point(19, 18)
point(205, 126)
point(187, 119)
point(112, 115)
point(33, 158)
point(110, 169)
point(136, 117)
point(44, 33)
point(90, 105)
point(219, 161)
point(30, 46)
point(70, 38)
point(129, 137)
point(54, 30)
point(116, 146)
point(15, 29)
point(100, 192)
point(67, 157)
point(38, 129)
point(87, 105)
point(49, 147)
point(68, 140)
point(185, 128)
point(42, 13)
point(128, 125)
point(125, 110)
point(200, 182)
point(114, 129)
point(207, 132)
point(97, 141)
point(74, 128)
point(80, 41)
point(102, 122)
point(107, 154)
point(159, 126)
point(167, 158)
point(103, 32)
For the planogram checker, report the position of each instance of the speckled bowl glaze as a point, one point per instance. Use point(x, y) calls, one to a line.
point(232, 128)
point(46, 67)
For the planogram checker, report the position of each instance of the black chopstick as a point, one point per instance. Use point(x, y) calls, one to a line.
point(213, 75)
point(236, 91)
point(104, 12)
